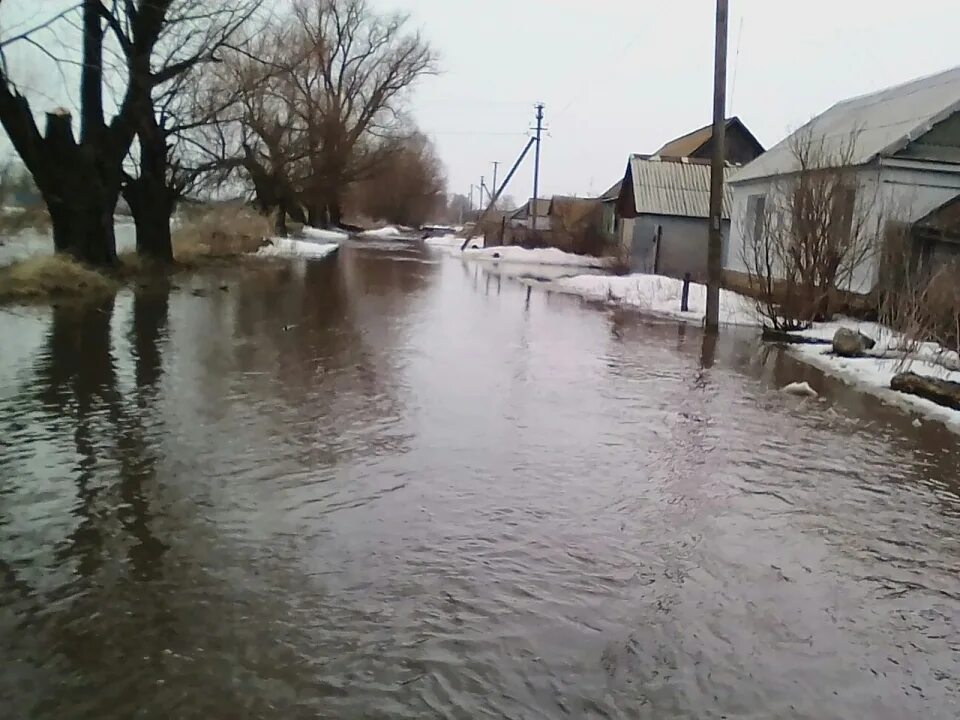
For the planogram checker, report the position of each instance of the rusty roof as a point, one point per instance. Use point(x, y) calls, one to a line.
point(688, 145)
point(674, 186)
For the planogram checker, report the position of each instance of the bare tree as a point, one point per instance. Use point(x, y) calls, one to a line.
point(80, 178)
point(348, 87)
point(193, 37)
point(811, 234)
point(409, 187)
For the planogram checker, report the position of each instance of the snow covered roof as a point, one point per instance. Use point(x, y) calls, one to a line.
point(878, 124)
point(673, 186)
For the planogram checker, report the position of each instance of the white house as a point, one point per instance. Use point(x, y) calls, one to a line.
point(902, 146)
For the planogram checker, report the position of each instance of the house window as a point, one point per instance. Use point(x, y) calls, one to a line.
point(756, 209)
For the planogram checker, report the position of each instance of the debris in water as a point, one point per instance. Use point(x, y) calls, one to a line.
point(801, 389)
point(917, 423)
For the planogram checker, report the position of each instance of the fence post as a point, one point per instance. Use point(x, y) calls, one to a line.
point(685, 295)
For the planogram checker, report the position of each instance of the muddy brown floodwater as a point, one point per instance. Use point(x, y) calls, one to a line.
point(391, 485)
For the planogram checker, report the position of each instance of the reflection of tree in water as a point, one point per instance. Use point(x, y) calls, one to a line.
point(77, 377)
point(326, 332)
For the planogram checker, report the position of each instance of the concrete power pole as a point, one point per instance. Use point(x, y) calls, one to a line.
point(495, 166)
point(536, 168)
point(715, 247)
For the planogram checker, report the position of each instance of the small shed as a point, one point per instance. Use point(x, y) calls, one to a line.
point(664, 204)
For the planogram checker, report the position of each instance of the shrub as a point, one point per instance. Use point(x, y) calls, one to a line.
point(220, 232)
point(52, 275)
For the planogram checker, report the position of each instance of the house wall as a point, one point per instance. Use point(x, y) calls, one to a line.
point(683, 245)
point(892, 190)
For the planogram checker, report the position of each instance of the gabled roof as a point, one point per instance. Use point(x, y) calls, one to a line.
point(525, 210)
point(688, 145)
point(870, 126)
point(673, 186)
point(613, 193)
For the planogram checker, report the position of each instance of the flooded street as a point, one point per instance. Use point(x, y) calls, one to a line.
point(390, 484)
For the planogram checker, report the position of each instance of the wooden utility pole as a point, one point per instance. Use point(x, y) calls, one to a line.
point(715, 247)
point(536, 168)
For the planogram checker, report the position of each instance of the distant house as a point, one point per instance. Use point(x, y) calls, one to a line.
point(662, 213)
point(658, 212)
point(523, 215)
point(901, 147)
point(740, 146)
point(575, 225)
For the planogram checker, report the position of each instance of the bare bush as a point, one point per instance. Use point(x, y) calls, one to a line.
point(408, 189)
point(807, 239)
point(921, 302)
point(223, 231)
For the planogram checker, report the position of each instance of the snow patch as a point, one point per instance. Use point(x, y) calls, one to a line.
point(446, 241)
point(539, 256)
point(659, 296)
point(333, 236)
point(288, 247)
point(388, 231)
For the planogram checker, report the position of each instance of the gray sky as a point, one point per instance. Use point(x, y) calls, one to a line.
point(622, 76)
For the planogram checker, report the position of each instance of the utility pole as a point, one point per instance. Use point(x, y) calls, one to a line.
point(715, 246)
point(536, 168)
point(483, 186)
point(495, 166)
point(470, 206)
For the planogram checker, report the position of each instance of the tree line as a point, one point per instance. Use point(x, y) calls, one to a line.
point(303, 110)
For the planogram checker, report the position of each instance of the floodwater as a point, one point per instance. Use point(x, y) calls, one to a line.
point(391, 485)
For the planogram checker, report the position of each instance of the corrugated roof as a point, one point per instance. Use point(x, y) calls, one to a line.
point(674, 186)
point(878, 124)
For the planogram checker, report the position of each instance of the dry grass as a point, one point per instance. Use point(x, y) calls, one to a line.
point(219, 233)
point(52, 276)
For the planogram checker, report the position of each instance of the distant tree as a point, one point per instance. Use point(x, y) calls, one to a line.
point(458, 208)
point(408, 187)
point(353, 72)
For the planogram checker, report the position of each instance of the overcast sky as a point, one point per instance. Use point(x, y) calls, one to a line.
point(622, 76)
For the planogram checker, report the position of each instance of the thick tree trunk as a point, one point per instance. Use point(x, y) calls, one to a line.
point(316, 215)
point(81, 195)
point(280, 223)
point(151, 196)
point(151, 204)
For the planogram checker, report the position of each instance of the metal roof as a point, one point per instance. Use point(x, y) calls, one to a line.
point(613, 192)
point(674, 186)
point(524, 211)
point(878, 124)
point(692, 143)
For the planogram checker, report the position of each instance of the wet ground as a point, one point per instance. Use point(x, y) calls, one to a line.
point(388, 484)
